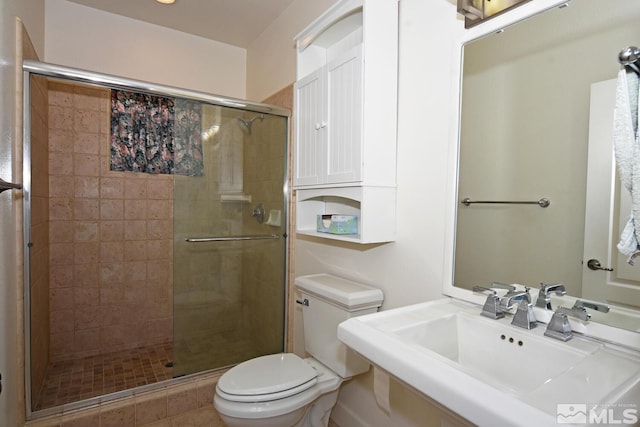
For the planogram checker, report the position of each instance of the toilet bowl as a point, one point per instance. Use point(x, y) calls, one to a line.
point(284, 390)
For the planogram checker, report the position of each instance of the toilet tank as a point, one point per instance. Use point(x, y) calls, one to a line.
point(331, 300)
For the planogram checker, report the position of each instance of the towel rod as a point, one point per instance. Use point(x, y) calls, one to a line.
point(230, 238)
point(543, 203)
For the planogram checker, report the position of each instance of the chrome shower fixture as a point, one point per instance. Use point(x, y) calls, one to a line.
point(246, 124)
point(258, 213)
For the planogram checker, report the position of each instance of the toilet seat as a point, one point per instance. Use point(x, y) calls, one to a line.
point(267, 378)
point(326, 381)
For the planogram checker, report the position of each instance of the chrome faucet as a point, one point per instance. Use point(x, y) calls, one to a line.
point(524, 317)
point(544, 296)
point(510, 298)
point(559, 327)
point(592, 305)
point(491, 306)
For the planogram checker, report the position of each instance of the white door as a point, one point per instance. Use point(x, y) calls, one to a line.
point(607, 210)
point(310, 127)
point(344, 104)
point(8, 288)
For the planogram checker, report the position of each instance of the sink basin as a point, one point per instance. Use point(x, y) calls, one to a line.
point(494, 353)
point(447, 351)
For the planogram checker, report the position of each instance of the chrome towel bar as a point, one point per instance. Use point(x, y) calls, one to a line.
point(230, 238)
point(543, 203)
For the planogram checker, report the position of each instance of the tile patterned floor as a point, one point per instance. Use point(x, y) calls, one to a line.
point(79, 379)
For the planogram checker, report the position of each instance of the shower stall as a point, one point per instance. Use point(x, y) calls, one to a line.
point(154, 234)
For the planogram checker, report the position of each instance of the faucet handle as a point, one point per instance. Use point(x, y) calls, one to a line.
point(604, 308)
point(506, 286)
point(491, 306)
point(559, 326)
point(578, 312)
point(483, 290)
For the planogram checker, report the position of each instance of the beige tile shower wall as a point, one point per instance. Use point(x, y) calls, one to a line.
point(263, 274)
point(39, 289)
point(110, 233)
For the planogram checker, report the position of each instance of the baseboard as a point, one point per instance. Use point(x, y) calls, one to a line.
point(345, 417)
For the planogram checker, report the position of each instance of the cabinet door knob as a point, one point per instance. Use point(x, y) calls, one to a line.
point(323, 124)
point(317, 126)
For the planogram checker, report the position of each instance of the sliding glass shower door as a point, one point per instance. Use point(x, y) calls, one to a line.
point(229, 243)
point(154, 234)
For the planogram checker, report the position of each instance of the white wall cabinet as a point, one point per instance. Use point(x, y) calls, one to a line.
point(329, 137)
point(345, 118)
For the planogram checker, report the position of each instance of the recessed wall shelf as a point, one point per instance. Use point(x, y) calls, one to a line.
point(235, 197)
point(374, 207)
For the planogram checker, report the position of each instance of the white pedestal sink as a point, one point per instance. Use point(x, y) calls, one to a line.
point(491, 372)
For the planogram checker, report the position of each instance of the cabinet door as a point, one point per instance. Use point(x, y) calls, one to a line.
point(310, 147)
point(344, 118)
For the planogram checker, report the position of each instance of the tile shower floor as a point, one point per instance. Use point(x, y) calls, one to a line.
point(73, 380)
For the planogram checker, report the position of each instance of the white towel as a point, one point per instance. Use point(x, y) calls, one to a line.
point(627, 153)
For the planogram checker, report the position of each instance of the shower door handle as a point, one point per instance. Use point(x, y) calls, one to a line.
point(4, 185)
point(230, 238)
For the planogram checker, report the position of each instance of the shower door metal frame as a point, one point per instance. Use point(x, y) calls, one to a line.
point(26, 235)
point(91, 78)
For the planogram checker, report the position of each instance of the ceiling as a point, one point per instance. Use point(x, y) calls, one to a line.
point(235, 22)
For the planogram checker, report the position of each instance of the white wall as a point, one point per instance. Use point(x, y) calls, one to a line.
point(409, 270)
point(271, 58)
point(32, 15)
point(83, 37)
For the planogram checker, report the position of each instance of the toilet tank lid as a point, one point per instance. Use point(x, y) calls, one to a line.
point(344, 292)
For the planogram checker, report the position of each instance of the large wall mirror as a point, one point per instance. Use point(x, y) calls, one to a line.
point(537, 103)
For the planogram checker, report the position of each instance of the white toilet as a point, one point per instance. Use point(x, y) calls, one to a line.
point(283, 390)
